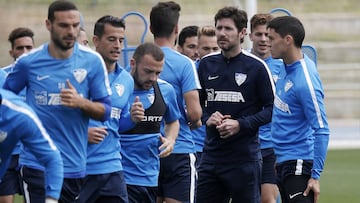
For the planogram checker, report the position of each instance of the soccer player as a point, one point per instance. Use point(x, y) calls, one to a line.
point(141, 150)
point(261, 48)
point(66, 84)
point(238, 91)
point(105, 179)
point(29, 130)
point(188, 42)
point(177, 171)
point(22, 41)
point(299, 118)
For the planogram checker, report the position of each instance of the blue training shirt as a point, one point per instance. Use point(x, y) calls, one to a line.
point(299, 125)
point(18, 122)
point(275, 66)
point(180, 72)
point(105, 157)
point(140, 152)
point(241, 87)
point(44, 77)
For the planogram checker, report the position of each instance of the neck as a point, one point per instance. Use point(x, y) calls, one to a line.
point(232, 52)
point(59, 53)
point(165, 42)
point(293, 56)
point(110, 66)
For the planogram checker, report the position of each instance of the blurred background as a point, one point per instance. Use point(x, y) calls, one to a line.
point(332, 27)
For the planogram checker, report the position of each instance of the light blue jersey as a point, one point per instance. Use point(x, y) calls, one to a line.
point(22, 94)
point(18, 122)
point(140, 152)
point(181, 73)
point(104, 157)
point(299, 125)
point(2, 77)
point(44, 77)
point(275, 66)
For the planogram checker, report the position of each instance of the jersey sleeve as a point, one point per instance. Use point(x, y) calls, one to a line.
point(34, 137)
point(17, 79)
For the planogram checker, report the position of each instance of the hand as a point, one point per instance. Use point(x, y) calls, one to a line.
point(70, 97)
point(195, 125)
point(228, 127)
point(96, 134)
point(216, 119)
point(137, 110)
point(167, 146)
point(313, 185)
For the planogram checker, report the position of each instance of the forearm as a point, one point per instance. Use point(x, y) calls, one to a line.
point(320, 151)
point(97, 110)
point(172, 130)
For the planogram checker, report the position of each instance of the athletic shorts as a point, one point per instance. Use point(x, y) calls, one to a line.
point(292, 177)
point(98, 187)
point(34, 186)
point(218, 183)
point(11, 183)
point(139, 194)
point(268, 174)
point(177, 177)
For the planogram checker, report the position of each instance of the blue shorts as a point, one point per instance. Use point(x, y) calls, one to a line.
point(177, 177)
point(220, 182)
point(11, 183)
point(108, 188)
point(268, 166)
point(141, 194)
point(292, 180)
point(34, 186)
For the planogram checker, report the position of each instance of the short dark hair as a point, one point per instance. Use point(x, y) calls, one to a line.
point(107, 19)
point(289, 25)
point(238, 16)
point(148, 48)
point(186, 32)
point(60, 5)
point(164, 16)
point(260, 19)
point(18, 33)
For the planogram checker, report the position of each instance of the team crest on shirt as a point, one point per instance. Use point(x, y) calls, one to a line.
point(80, 74)
point(119, 88)
point(3, 136)
point(151, 98)
point(288, 85)
point(240, 78)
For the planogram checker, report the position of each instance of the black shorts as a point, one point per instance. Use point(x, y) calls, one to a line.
point(11, 183)
point(177, 177)
point(219, 182)
point(292, 177)
point(268, 174)
point(141, 194)
point(101, 186)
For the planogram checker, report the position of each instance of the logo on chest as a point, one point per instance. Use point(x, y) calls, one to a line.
point(80, 74)
point(119, 89)
point(240, 78)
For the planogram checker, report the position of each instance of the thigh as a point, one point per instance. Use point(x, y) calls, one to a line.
point(268, 174)
point(34, 184)
point(177, 177)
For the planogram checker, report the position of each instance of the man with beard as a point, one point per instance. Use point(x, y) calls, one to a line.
point(66, 85)
point(144, 145)
point(238, 92)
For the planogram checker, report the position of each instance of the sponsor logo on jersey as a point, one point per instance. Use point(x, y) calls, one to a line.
point(119, 88)
point(152, 118)
point(240, 78)
point(3, 136)
point(80, 74)
point(224, 96)
point(288, 85)
point(281, 105)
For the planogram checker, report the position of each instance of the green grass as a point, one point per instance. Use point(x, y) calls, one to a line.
point(340, 179)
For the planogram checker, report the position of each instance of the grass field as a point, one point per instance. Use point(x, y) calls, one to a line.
point(340, 179)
